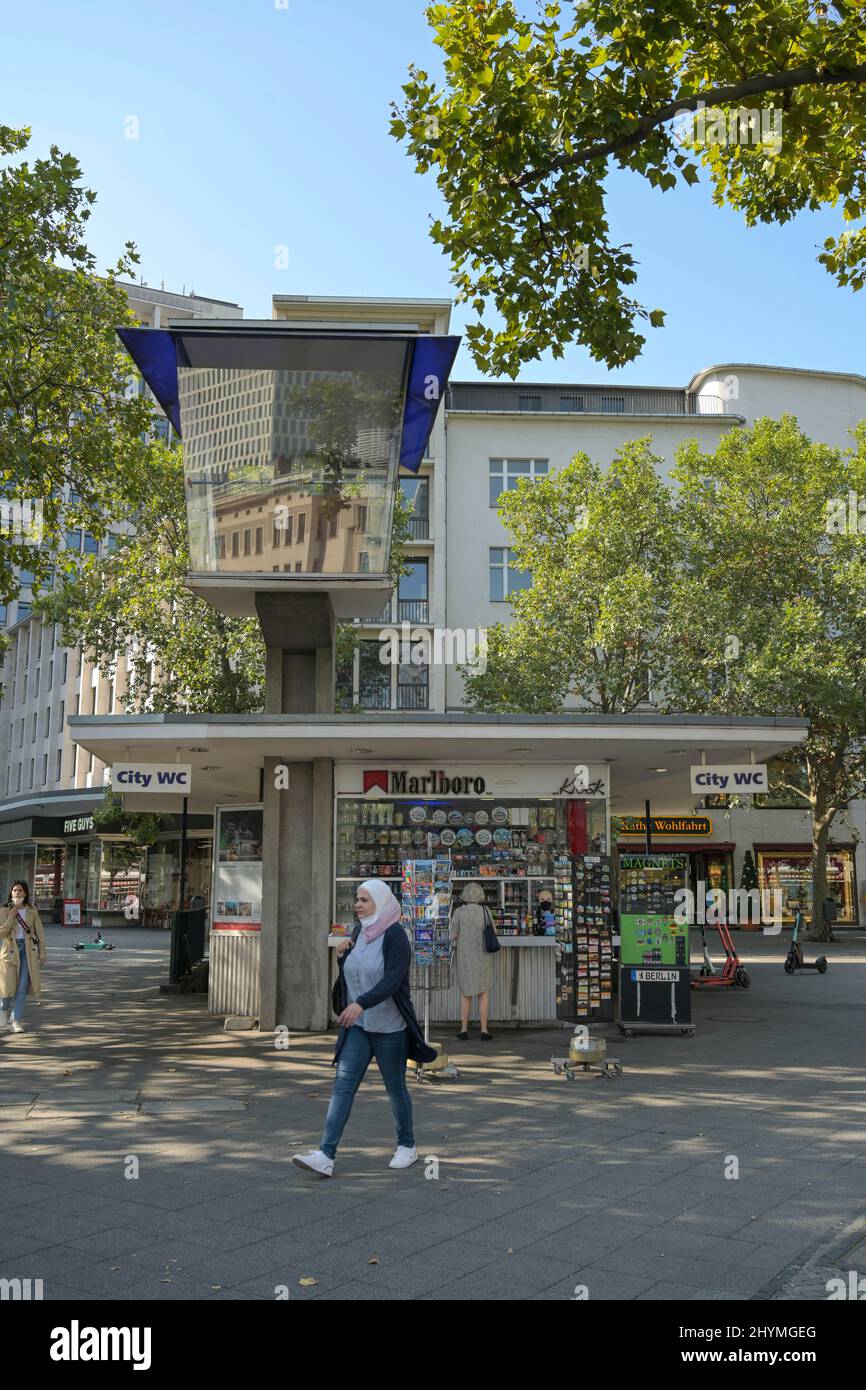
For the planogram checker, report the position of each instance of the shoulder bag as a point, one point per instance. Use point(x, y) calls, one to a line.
point(491, 940)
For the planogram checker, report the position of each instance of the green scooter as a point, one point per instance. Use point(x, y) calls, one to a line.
point(97, 944)
point(794, 959)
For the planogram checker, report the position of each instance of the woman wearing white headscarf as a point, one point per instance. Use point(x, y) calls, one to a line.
point(376, 1019)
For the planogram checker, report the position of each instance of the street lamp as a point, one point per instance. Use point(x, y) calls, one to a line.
point(292, 441)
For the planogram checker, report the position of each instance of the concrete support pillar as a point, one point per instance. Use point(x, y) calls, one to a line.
point(297, 878)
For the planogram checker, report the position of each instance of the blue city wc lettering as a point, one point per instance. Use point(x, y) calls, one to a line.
point(723, 779)
point(144, 779)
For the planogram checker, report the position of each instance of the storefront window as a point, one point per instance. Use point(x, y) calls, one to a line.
point(508, 845)
point(16, 864)
point(163, 878)
point(791, 873)
point(115, 878)
point(49, 876)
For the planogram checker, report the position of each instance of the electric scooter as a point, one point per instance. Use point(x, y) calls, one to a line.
point(733, 973)
point(794, 959)
point(97, 944)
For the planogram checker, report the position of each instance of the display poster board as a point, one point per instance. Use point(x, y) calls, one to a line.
point(237, 891)
point(584, 921)
point(72, 912)
point(426, 902)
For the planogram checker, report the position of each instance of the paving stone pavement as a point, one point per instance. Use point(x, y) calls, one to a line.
point(149, 1151)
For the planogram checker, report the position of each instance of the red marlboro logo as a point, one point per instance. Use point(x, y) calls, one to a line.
point(375, 779)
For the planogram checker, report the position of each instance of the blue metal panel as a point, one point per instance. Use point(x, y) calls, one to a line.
point(432, 360)
point(154, 352)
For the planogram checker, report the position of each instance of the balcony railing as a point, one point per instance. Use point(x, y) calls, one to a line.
point(375, 697)
point(413, 610)
point(413, 697)
point(419, 528)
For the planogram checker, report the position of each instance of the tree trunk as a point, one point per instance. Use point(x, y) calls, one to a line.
point(821, 930)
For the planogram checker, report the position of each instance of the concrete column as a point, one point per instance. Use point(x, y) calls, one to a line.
point(297, 878)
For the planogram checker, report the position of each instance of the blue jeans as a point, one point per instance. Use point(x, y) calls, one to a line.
point(16, 1002)
point(356, 1054)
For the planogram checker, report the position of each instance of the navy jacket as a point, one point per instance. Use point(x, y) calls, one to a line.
point(394, 984)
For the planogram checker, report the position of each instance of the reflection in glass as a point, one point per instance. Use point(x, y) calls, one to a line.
point(290, 470)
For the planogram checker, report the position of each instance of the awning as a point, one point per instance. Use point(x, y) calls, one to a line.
point(157, 352)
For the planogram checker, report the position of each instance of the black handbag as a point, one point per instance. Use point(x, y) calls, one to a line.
point(338, 993)
point(491, 940)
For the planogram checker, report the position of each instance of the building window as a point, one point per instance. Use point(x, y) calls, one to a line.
point(361, 522)
point(416, 491)
point(59, 764)
point(505, 474)
point(613, 405)
point(221, 547)
point(21, 735)
point(24, 610)
point(258, 540)
point(413, 687)
point(528, 402)
point(374, 678)
point(48, 721)
point(412, 594)
point(73, 540)
point(91, 545)
point(505, 582)
point(50, 675)
point(236, 544)
point(571, 405)
point(298, 567)
point(332, 527)
point(63, 677)
point(363, 562)
point(277, 538)
point(44, 769)
point(302, 526)
point(32, 765)
point(33, 734)
point(247, 543)
point(62, 715)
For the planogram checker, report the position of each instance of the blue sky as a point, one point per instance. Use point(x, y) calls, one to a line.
point(264, 123)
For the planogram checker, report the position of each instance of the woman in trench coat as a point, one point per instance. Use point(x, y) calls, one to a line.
point(22, 952)
point(473, 964)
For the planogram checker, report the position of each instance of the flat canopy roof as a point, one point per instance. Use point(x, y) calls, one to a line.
point(232, 748)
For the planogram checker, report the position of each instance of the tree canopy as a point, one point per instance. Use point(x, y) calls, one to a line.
point(69, 419)
point(533, 115)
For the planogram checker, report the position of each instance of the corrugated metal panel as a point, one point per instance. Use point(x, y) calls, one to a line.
point(235, 959)
point(529, 998)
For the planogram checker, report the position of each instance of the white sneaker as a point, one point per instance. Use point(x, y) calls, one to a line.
point(316, 1162)
point(16, 1026)
point(404, 1158)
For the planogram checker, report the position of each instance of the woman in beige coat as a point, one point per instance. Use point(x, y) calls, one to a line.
point(473, 965)
point(22, 952)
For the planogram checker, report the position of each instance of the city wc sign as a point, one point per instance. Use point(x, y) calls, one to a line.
point(746, 779)
point(152, 777)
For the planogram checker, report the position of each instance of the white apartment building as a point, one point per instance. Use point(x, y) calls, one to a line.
point(46, 781)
